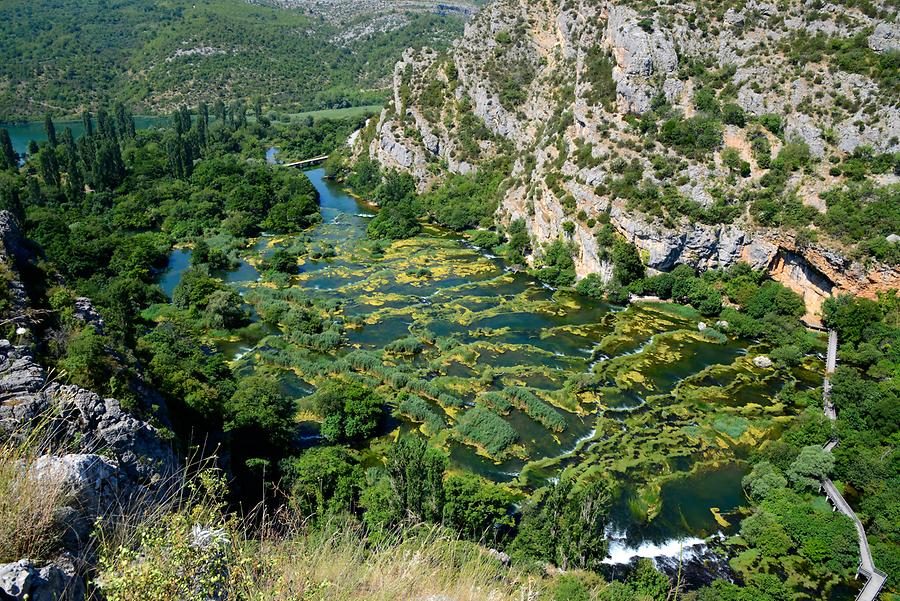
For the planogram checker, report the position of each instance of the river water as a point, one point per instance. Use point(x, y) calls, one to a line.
point(674, 421)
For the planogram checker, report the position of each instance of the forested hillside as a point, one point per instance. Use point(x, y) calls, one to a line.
point(65, 55)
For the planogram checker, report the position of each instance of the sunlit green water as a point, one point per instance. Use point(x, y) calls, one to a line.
point(668, 413)
point(23, 133)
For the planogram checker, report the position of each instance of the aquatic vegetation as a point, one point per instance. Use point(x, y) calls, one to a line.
point(487, 429)
point(418, 410)
point(518, 382)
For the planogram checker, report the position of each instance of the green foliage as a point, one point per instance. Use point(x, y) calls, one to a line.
point(865, 215)
point(693, 136)
point(763, 480)
point(564, 525)
point(591, 286)
point(397, 218)
point(476, 508)
point(519, 242)
point(627, 264)
point(350, 410)
point(322, 481)
point(466, 201)
point(488, 430)
point(598, 71)
point(259, 416)
point(557, 268)
point(416, 473)
point(134, 52)
point(87, 362)
point(419, 410)
point(536, 409)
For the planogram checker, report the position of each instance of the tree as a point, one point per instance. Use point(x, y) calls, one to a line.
point(393, 222)
point(49, 167)
point(762, 480)
point(813, 464)
point(224, 310)
point(195, 288)
point(50, 130)
point(850, 316)
point(416, 473)
point(565, 525)
point(74, 180)
point(351, 411)
point(648, 582)
point(476, 508)
point(322, 481)
point(8, 157)
point(259, 416)
point(627, 264)
point(557, 266)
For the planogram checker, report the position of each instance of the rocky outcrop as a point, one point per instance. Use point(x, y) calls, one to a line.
point(25, 580)
point(644, 55)
point(78, 419)
point(569, 149)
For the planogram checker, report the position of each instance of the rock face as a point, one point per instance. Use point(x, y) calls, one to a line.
point(26, 581)
point(79, 418)
point(104, 458)
point(558, 87)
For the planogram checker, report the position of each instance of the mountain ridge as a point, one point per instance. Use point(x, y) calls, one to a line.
point(669, 123)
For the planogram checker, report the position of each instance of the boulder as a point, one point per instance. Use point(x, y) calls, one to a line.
point(762, 362)
point(91, 486)
point(25, 580)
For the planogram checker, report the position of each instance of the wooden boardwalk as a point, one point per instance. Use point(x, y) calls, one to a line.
point(875, 578)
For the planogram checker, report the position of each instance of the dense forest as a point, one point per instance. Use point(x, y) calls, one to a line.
point(106, 210)
point(64, 56)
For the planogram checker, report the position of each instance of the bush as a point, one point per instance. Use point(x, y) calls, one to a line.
point(693, 136)
point(732, 114)
point(591, 286)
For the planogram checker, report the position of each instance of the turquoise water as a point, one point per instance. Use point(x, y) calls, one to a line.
point(22, 133)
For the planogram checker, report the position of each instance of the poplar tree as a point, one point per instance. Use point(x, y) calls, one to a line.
point(49, 167)
point(50, 129)
point(88, 123)
point(74, 180)
point(8, 157)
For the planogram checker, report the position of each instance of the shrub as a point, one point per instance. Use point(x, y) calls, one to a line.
point(694, 136)
point(732, 114)
point(591, 286)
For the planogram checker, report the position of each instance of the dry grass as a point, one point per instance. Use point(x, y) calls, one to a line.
point(157, 558)
point(419, 563)
point(28, 506)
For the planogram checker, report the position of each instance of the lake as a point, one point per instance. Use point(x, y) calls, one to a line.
point(22, 133)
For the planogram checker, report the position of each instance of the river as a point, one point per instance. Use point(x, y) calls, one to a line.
point(679, 413)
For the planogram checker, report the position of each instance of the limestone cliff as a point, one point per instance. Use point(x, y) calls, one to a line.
point(569, 89)
point(104, 458)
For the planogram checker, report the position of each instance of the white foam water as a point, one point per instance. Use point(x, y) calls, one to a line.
point(621, 553)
